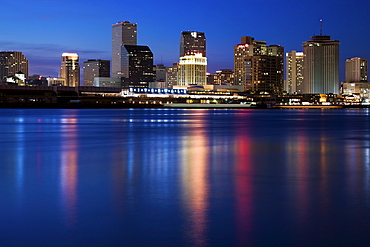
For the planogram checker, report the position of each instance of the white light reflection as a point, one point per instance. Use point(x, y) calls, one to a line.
point(69, 169)
point(20, 149)
point(195, 164)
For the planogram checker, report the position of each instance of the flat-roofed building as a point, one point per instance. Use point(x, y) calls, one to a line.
point(356, 70)
point(123, 33)
point(12, 62)
point(294, 72)
point(70, 69)
point(95, 68)
point(192, 70)
point(321, 65)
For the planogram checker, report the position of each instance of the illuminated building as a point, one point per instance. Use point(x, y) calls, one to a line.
point(137, 66)
point(222, 77)
point(56, 81)
point(356, 70)
point(70, 69)
point(192, 42)
point(192, 70)
point(12, 62)
point(160, 72)
point(257, 67)
point(160, 77)
point(294, 72)
point(172, 74)
point(107, 82)
point(123, 33)
point(95, 68)
point(19, 79)
point(321, 65)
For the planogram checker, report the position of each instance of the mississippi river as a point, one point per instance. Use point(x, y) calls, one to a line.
point(183, 177)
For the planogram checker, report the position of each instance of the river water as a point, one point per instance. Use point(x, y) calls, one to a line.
point(182, 177)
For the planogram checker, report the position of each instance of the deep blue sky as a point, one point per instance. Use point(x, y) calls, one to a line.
point(44, 29)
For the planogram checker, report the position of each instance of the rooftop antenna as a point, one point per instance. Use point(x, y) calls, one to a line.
point(320, 26)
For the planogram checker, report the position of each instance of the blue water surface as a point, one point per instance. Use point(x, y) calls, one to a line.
point(176, 177)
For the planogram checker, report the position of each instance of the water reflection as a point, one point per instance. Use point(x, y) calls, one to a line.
point(195, 166)
point(186, 177)
point(19, 156)
point(69, 168)
point(244, 188)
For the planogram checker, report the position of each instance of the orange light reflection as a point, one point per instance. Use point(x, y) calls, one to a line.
point(69, 170)
point(195, 182)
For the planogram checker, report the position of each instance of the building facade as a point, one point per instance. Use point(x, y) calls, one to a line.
point(95, 68)
point(356, 70)
point(70, 69)
point(123, 33)
point(107, 82)
point(172, 75)
point(222, 77)
point(137, 66)
point(192, 70)
point(192, 42)
point(321, 65)
point(258, 67)
point(193, 62)
point(12, 62)
point(294, 72)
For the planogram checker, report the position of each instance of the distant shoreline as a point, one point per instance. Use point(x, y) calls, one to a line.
point(82, 105)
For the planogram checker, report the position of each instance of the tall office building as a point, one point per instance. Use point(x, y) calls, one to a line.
point(12, 62)
point(70, 69)
point(257, 67)
point(356, 70)
point(172, 75)
point(193, 61)
point(294, 72)
point(123, 33)
point(137, 66)
point(95, 68)
point(192, 70)
point(321, 65)
point(191, 43)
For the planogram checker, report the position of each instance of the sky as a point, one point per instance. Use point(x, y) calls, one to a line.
point(44, 29)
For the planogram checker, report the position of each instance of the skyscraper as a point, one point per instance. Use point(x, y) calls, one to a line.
point(192, 70)
point(356, 70)
point(257, 67)
point(137, 65)
point(12, 62)
point(95, 68)
point(193, 61)
point(70, 69)
point(192, 42)
point(321, 65)
point(294, 72)
point(123, 33)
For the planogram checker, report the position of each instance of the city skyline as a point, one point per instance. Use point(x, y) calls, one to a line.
point(48, 33)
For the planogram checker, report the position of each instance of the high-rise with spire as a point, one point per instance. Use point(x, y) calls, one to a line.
point(321, 65)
